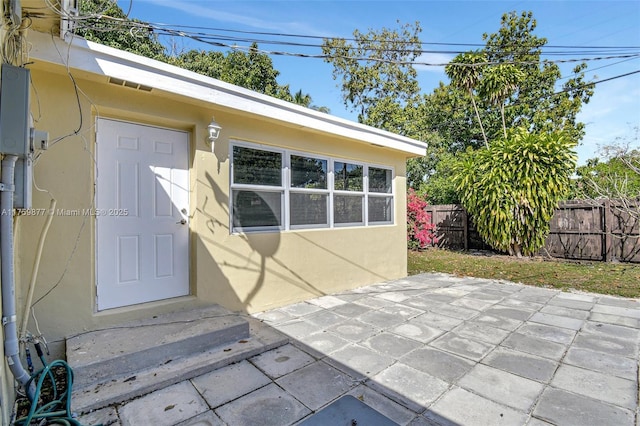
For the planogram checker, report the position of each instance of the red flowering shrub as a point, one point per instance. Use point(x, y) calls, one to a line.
point(420, 230)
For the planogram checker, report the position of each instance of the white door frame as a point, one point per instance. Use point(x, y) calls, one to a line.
point(148, 236)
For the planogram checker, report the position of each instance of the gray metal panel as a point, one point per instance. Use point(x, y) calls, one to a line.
point(14, 110)
point(348, 411)
point(23, 182)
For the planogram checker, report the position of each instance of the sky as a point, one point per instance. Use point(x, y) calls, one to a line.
point(612, 113)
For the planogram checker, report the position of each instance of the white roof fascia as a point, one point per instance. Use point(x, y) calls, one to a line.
point(98, 59)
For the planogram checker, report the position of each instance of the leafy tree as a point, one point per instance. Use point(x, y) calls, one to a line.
point(515, 88)
point(615, 175)
point(431, 175)
point(499, 82)
point(611, 178)
point(512, 188)
point(302, 99)
point(465, 72)
point(440, 188)
point(252, 70)
point(538, 105)
point(377, 78)
point(306, 101)
point(510, 84)
point(107, 24)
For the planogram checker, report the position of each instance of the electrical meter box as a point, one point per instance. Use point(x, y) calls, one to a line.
point(23, 182)
point(14, 111)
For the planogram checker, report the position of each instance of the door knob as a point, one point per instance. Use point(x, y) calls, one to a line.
point(182, 222)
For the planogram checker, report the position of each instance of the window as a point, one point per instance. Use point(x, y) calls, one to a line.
point(380, 203)
point(348, 193)
point(347, 177)
point(308, 172)
point(274, 189)
point(257, 193)
point(309, 194)
point(256, 167)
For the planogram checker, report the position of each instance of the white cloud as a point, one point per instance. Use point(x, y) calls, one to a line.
point(432, 58)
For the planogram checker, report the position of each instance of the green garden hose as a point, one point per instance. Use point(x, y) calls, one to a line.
point(58, 410)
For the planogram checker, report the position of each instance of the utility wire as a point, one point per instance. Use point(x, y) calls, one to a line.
point(108, 23)
point(220, 40)
point(175, 27)
point(211, 40)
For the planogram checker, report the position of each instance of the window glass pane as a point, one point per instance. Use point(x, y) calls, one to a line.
point(307, 172)
point(253, 208)
point(309, 209)
point(347, 209)
point(347, 177)
point(380, 209)
point(379, 180)
point(257, 167)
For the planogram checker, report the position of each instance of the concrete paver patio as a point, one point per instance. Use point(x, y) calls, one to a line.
point(431, 349)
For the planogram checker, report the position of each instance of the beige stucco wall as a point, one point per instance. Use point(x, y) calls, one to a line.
point(243, 272)
point(257, 271)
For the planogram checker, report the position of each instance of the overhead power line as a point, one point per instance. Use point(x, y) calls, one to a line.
point(214, 40)
point(180, 28)
point(106, 23)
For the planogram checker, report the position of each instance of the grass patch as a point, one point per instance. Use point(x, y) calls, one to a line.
point(621, 279)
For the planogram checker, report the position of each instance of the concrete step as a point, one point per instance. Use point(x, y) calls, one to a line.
point(100, 355)
point(97, 386)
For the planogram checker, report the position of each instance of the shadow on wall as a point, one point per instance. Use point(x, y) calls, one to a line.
point(265, 245)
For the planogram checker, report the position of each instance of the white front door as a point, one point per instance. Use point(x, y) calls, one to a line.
point(142, 205)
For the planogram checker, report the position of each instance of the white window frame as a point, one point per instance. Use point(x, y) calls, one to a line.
point(286, 190)
point(362, 193)
point(257, 188)
point(387, 195)
point(292, 190)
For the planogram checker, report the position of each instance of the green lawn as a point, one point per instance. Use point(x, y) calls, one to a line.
point(622, 279)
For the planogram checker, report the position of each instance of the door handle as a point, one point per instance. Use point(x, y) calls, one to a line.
point(182, 222)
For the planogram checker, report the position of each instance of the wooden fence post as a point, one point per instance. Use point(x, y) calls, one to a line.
point(432, 210)
point(607, 240)
point(465, 228)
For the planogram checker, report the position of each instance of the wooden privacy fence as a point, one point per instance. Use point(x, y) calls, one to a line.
point(580, 230)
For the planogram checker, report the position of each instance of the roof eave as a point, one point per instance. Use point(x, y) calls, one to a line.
point(110, 62)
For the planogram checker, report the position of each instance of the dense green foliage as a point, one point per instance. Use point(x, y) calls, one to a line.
point(252, 70)
point(378, 80)
point(615, 175)
point(512, 188)
point(107, 24)
point(531, 100)
point(613, 178)
point(507, 80)
point(117, 30)
point(512, 185)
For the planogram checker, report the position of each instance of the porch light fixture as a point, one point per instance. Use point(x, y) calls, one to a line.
point(213, 131)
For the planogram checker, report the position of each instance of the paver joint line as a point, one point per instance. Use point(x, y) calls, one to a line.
point(418, 349)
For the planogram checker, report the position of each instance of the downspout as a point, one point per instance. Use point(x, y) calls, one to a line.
point(9, 319)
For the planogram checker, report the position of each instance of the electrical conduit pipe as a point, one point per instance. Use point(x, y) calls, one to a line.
point(36, 266)
point(9, 318)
